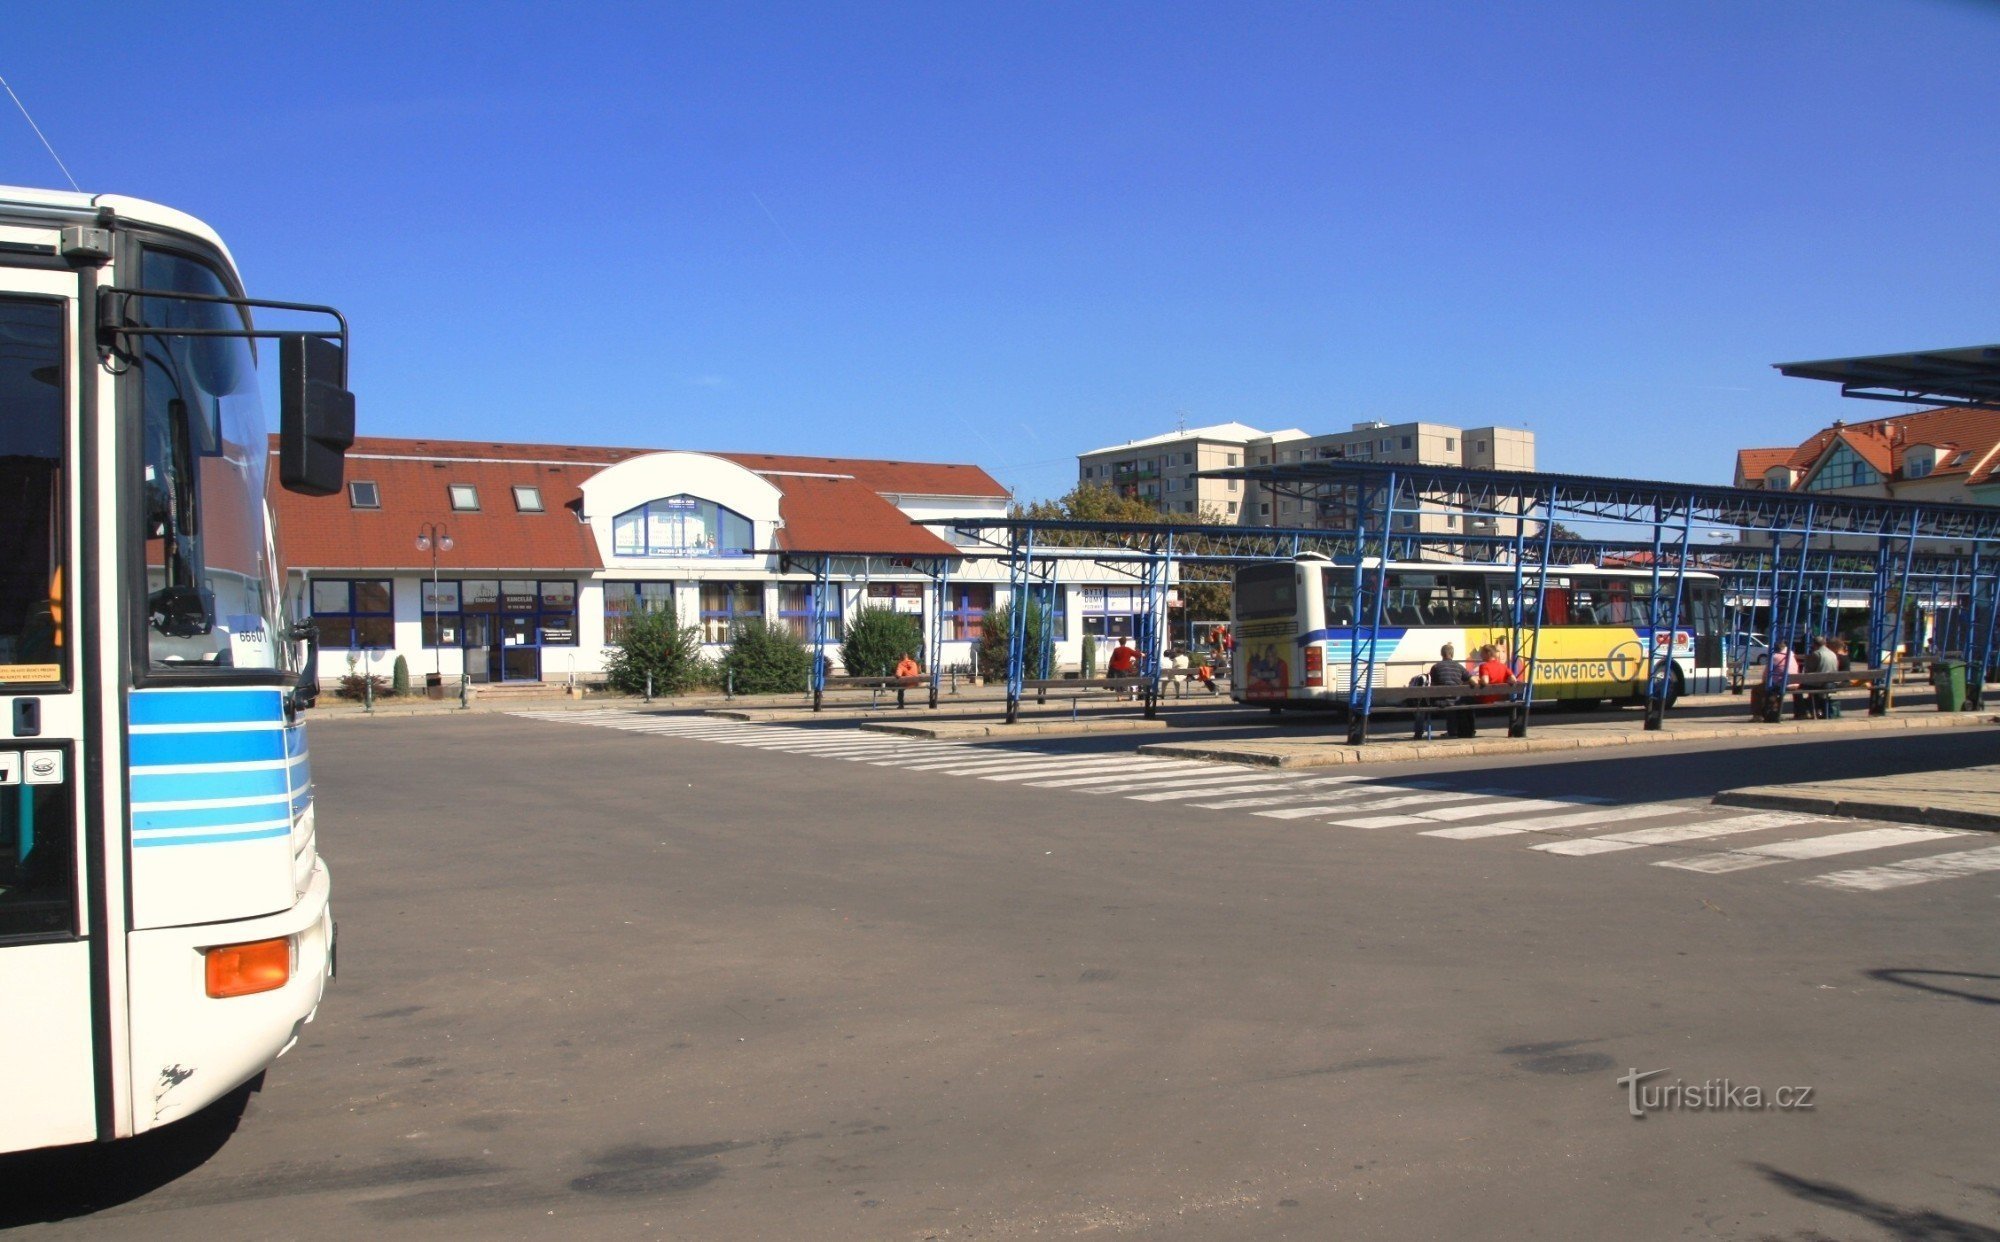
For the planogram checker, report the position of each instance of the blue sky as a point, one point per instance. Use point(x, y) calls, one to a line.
point(1009, 233)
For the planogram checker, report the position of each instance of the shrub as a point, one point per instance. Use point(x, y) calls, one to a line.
point(654, 643)
point(399, 678)
point(993, 642)
point(766, 659)
point(1089, 655)
point(357, 685)
point(878, 640)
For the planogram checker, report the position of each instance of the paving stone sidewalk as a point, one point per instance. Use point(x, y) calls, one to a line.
point(1955, 798)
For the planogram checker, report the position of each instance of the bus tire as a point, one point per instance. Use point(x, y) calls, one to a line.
point(1675, 685)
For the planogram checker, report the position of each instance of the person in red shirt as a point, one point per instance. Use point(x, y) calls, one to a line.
point(1491, 671)
point(1124, 661)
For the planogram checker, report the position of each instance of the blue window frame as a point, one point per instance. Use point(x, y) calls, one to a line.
point(966, 606)
point(1843, 467)
point(795, 609)
point(726, 607)
point(681, 526)
point(354, 612)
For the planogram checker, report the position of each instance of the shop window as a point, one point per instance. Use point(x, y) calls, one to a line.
point(795, 610)
point(681, 526)
point(965, 611)
point(471, 612)
point(625, 599)
point(363, 495)
point(726, 607)
point(354, 613)
point(464, 497)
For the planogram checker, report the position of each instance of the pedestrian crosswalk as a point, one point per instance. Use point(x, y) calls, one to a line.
point(1678, 836)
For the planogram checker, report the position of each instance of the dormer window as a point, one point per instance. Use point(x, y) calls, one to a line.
point(464, 497)
point(363, 495)
point(527, 499)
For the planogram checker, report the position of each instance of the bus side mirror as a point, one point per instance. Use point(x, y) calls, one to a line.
point(306, 692)
point(316, 417)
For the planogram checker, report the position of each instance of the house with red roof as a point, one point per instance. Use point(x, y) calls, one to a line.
point(506, 562)
point(1947, 455)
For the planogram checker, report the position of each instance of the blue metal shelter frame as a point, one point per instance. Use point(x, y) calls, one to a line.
point(1796, 541)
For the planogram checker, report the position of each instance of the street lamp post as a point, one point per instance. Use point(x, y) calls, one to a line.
point(433, 537)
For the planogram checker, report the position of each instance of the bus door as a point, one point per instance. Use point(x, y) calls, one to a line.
point(46, 1007)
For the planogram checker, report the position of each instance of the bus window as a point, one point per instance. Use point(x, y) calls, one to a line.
point(1556, 606)
point(1339, 597)
point(31, 492)
point(1614, 605)
point(1467, 600)
point(1267, 591)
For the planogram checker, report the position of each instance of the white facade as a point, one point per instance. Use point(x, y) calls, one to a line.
point(550, 625)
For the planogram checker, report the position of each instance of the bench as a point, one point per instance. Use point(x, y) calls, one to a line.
point(876, 684)
point(1422, 700)
point(1824, 686)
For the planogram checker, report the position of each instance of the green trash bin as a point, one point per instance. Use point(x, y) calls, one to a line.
point(1949, 678)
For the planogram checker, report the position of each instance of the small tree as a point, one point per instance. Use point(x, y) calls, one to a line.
point(654, 643)
point(766, 659)
point(1090, 655)
point(993, 642)
point(399, 677)
point(878, 640)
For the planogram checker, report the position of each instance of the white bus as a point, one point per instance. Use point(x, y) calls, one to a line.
point(164, 921)
point(1295, 626)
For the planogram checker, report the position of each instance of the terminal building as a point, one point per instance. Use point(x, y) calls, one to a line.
point(515, 562)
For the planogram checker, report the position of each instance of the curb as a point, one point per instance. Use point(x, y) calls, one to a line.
point(1860, 806)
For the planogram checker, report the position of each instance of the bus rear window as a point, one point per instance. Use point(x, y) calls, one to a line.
point(1267, 592)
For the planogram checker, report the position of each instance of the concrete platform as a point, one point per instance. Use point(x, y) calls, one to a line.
point(1957, 798)
point(1569, 735)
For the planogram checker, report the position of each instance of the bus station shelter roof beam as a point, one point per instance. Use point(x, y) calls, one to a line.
point(1968, 378)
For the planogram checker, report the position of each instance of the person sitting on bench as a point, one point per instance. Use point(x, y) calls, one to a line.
point(1449, 672)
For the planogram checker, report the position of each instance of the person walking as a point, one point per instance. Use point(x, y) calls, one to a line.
point(1449, 672)
point(907, 672)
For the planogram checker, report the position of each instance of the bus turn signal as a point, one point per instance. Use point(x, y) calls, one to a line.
point(246, 969)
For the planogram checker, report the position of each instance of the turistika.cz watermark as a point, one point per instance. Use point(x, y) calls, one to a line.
point(1710, 1095)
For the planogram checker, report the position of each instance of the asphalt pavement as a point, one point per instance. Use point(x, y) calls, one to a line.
point(671, 979)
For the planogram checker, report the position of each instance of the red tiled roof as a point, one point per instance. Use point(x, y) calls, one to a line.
point(842, 514)
point(915, 478)
point(1752, 463)
point(1881, 442)
point(918, 478)
point(326, 532)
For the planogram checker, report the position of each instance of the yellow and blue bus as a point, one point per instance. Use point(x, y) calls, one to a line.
point(1300, 641)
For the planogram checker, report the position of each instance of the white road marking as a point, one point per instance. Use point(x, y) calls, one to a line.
point(1217, 778)
point(1915, 871)
point(1169, 772)
point(1202, 791)
point(1615, 841)
point(1058, 769)
point(1810, 847)
point(1547, 823)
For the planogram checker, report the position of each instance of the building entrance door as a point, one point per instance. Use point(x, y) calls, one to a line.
point(516, 652)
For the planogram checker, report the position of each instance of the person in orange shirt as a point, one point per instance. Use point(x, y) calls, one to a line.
point(907, 672)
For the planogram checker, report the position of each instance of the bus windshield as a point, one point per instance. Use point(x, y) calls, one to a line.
point(212, 599)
